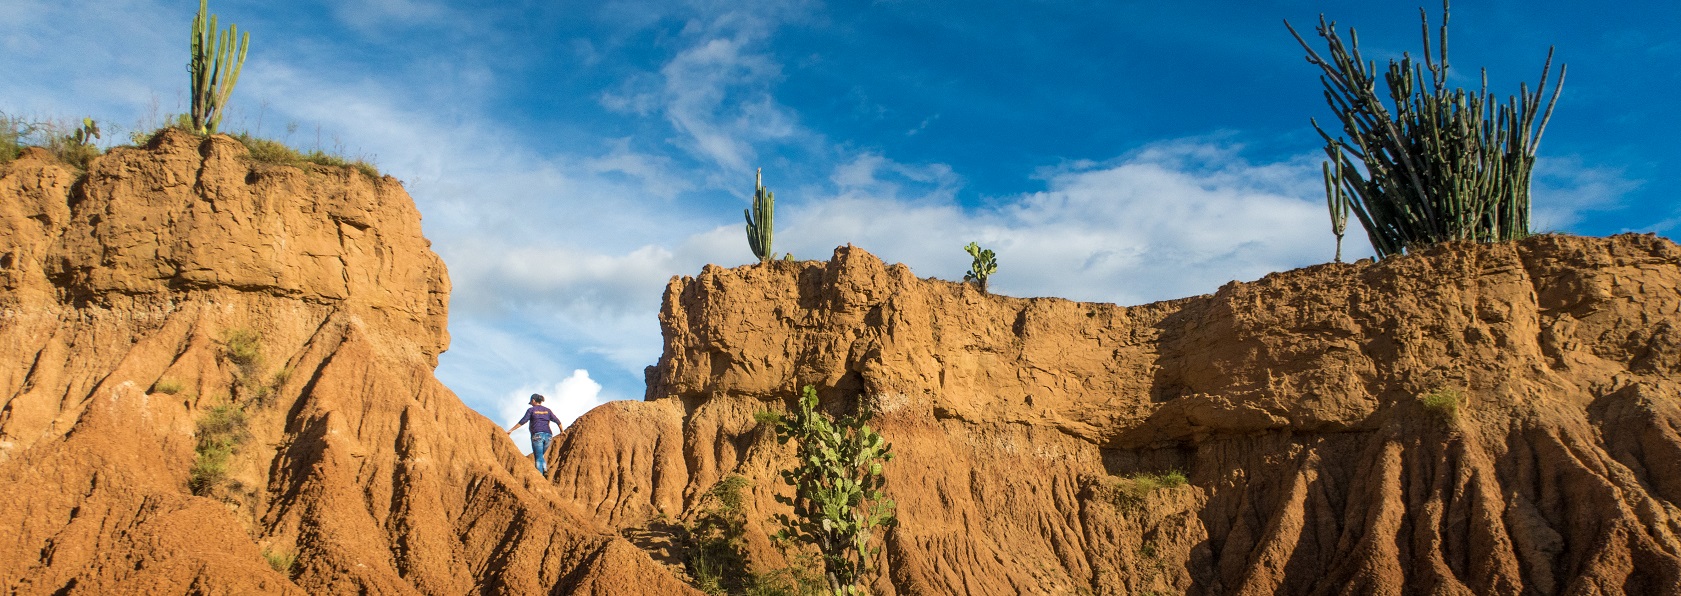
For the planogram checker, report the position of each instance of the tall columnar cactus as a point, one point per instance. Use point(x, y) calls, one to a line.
point(215, 67)
point(761, 221)
point(1336, 199)
point(985, 264)
point(838, 500)
point(1446, 164)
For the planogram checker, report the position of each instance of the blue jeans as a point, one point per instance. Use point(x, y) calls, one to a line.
point(540, 451)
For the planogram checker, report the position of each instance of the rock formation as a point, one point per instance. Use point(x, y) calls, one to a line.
point(183, 280)
point(1471, 419)
point(216, 377)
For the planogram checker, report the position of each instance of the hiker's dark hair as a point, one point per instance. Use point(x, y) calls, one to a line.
point(538, 397)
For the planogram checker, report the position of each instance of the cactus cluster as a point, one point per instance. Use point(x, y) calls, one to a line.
point(1446, 165)
point(838, 500)
point(761, 221)
point(214, 68)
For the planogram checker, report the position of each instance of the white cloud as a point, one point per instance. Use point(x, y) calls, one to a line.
point(570, 398)
point(1564, 189)
point(1172, 219)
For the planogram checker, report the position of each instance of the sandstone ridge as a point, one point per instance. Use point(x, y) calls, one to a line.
point(182, 277)
point(1309, 410)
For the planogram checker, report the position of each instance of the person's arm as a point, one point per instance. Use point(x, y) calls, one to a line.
point(522, 421)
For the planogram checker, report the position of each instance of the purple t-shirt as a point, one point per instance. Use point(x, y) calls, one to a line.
point(540, 417)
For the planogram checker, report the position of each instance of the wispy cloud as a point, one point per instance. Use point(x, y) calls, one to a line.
point(1564, 190)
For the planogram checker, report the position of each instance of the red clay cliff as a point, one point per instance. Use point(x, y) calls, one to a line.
point(1471, 419)
point(123, 295)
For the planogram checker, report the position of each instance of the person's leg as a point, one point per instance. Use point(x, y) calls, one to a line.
point(540, 451)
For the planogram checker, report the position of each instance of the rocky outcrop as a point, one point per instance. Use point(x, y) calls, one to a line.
point(1470, 419)
point(183, 280)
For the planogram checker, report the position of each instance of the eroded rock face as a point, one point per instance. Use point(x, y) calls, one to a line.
point(121, 295)
point(1292, 403)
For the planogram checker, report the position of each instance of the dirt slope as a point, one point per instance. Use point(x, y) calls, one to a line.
point(124, 297)
point(1292, 403)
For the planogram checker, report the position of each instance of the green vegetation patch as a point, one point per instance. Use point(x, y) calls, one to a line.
point(71, 144)
point(243, 347)
point(221, 430)
point(281, 560)
point(168, 386)
point(275, 152)
point(1444, 403)
point(1128, 492)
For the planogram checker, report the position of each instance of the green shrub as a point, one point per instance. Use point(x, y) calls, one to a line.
point(168, 386)
point(717, 547)
point(220, 432)
point(1443, 402)
point(244, 347)
point(1446, 165)
point(766, 417)
point(280, 560)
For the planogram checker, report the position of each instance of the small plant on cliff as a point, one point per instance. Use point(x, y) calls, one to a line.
point(281, 560)
point(1129, 491)
point(168, 386)
point(838, 502)
point(1443, 402)
point(71, 144)
point(717, 548)
point(14, 135)
point(215, 66)
point(1446, 165)
point(275, 152)
point(984, 265)
point(220, 432)
point(761, 220)
point(75, 145)
point(244, 347)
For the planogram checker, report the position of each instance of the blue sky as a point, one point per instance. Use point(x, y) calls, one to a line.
point(570, 157)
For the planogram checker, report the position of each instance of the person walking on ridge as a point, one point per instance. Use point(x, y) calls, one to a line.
point(539, 417)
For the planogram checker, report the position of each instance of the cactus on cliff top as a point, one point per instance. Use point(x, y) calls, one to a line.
point(984, 265)
point(761, 221)
point(1447, 164)
point(214, 68)
point(1336, 199)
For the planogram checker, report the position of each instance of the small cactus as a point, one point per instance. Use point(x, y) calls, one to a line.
point(1337, 200)
point(87, 133)
point(986, 263)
